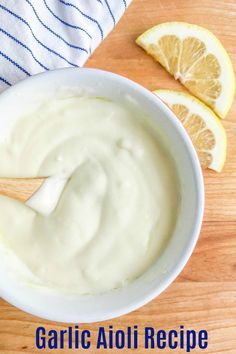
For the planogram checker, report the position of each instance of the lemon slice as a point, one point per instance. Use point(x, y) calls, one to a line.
point(196, 57)
point(203, 126)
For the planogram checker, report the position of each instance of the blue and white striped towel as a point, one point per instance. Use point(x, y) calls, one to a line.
point(39, 35)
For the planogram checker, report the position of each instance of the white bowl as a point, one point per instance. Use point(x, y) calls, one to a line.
point(62, 308)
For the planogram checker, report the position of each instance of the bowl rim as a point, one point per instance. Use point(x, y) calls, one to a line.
point(197, 172)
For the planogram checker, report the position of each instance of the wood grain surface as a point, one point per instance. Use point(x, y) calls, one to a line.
point(20, 188)
point(204, 295)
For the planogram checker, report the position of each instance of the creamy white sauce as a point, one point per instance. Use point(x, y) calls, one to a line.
point(45, 199)
point(118, 198)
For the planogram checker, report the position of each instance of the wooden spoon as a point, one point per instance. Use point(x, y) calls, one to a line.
point(20, 189)
point(40, 194)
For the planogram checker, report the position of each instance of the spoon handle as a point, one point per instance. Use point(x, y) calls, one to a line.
point(20, 188)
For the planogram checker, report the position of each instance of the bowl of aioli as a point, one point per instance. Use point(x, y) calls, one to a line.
point(135, 171)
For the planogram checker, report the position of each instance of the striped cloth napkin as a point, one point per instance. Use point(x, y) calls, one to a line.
point(39, 35)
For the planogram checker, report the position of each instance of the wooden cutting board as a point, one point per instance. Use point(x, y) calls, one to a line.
point(204, 295)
